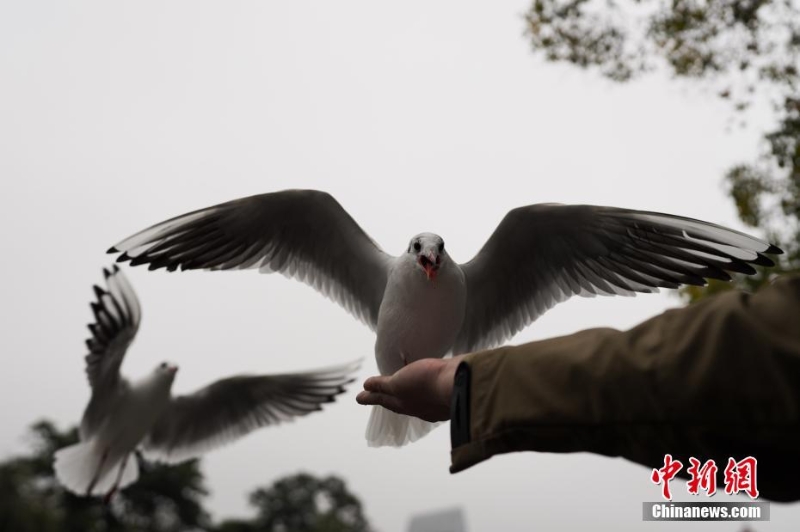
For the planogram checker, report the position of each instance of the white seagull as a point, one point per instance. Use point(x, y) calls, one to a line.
point(123, 416)
point(422, 303)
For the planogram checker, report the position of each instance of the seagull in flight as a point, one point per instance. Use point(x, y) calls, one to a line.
point(123, 416)
point(421, 303)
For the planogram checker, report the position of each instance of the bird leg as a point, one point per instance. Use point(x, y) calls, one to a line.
point(96, 476)
point(113, 490)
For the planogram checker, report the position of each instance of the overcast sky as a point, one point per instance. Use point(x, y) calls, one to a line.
point(416, 116)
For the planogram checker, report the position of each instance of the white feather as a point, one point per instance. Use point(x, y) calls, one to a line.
point(386, 428)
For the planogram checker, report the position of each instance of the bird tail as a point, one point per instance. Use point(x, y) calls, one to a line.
point(386, 428)
point(77, 465)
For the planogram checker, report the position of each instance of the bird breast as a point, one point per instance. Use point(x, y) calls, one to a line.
point(419, 318)
point(133, 416)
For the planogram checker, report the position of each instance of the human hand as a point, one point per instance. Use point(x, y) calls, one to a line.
point(421, 389)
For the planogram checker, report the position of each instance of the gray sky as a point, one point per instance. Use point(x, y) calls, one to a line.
point(417, 116)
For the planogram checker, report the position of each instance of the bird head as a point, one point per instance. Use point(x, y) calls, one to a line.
point(165, 372)
point(428, 250)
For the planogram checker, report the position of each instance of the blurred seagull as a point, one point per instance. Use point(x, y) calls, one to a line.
point(123, 416)
point(422, 303)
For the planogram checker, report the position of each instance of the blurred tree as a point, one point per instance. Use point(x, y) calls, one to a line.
point(744, 46)
point(164, 499)
point(747, 50)
point(303, 503)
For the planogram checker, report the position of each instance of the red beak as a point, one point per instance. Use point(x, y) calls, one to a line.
point(430, 262)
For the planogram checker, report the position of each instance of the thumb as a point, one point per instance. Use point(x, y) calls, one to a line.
point(378, 384)
point(379, 399)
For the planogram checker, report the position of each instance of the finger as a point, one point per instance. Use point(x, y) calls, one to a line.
point(368, 398)
point(378, 399)
point(378, 384)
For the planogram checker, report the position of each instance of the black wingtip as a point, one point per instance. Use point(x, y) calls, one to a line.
point(138, 260)
point(112, 249)
point(719, 275)
point(739, 266)
point(98, 292)
point(761, 260)
point(774, 250)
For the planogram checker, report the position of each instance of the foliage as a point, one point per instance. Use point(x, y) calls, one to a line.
point(767, 197)
point(164, 499)
point(748, 50)
point(303, 503)
point(734, 41)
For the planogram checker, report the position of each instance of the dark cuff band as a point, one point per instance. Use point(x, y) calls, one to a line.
point(459, 407)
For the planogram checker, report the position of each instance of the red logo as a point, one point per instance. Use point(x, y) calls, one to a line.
point(739, 476)
point(704, 477)
point(665, 474)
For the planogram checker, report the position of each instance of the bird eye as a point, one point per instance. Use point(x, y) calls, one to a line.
point(163, 365)
point(441, 247)
point(417, 246)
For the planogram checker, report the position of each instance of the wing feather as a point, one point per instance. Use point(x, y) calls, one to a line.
point(231, 408)
point(117, 315)
point(543, 254)
point(304, 234)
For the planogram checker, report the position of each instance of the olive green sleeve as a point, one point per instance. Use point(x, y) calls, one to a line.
point(716, 379)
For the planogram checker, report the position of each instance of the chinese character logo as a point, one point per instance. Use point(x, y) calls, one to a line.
point(704, 477)
point(739, 476)
point(665, 474)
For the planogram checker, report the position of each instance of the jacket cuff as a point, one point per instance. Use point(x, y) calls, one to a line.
point(459, 407)
point(466, 449)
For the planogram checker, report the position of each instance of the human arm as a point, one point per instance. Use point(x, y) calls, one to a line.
point(716, 379)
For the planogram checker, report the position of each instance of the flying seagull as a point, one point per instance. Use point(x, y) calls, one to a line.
point(422, 303)
point(123, 416)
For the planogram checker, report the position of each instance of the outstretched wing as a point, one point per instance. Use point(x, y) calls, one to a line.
point(231, 408)
point(543, 254)
point(304, 234)
point(117, 315)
